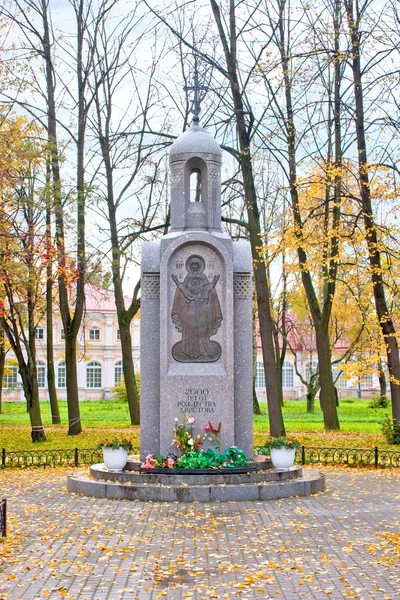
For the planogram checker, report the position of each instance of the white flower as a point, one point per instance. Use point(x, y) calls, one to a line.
point(190, 442)
point(176, 419)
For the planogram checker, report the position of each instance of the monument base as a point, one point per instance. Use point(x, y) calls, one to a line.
point(258, 484)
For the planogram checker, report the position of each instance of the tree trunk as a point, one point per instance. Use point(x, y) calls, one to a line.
point(31, 393)
point(327, 387)
point(74, 419)
point(310, 400)
point(382, 380)
point(129, 372)
point(382, 309)
point(51, 380)
point(256, 404)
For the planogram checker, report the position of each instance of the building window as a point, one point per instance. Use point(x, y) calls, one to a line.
point(93, 375)
point(311, 368)
point(366, 382)
point(62, 334)
point(10, 376)
point(260, 375)
point(339, 380)
point(61, 375)
point(118, 334)
point(118, 372)
point(39, 333)
point(41, 374)
point(287, 374)
point(94, 334)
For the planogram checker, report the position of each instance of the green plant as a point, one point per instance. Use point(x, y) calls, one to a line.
point(118, 392)
point(281, 442)
point(391, 430)
point(235, 457)
point(116, 443)
point(379, 402)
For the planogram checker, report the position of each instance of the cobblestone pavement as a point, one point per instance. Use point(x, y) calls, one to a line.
point(344, 543)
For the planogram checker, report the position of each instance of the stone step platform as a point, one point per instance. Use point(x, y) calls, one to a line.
point(267, 484)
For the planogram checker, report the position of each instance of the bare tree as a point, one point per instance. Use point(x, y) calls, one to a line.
point(356, 13)
point(126, 145)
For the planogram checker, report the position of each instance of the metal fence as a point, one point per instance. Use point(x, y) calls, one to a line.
point(305, 455)
point(3, 518)
point(51, 458)
point(359, 457)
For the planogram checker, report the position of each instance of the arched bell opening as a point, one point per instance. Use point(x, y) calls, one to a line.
point(195, 185)
point(196, 181)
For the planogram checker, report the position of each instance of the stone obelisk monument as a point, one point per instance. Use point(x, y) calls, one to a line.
point(196, 309)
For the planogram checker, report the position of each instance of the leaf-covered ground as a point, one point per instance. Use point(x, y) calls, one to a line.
point(360, 426)
point(343, 543)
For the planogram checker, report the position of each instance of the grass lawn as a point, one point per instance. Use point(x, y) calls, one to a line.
point(360, 425)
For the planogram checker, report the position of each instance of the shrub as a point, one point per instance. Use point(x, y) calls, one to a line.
point(118, 392)
point(391, 430)
point(379, 402)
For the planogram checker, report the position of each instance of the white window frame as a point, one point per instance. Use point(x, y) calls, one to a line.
point(61, 375)
point(260, 375)
point(366, 382)
point(41, 374)
point(94, 375)
point(118, 372)
point(10, 380)
point(39, 333)
point(287, 371)
point(94, 334)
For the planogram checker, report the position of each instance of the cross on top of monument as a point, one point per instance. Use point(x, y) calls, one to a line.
point(196, 88)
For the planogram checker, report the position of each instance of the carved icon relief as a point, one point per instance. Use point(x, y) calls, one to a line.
point(196, 313)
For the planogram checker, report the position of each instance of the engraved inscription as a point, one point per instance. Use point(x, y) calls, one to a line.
point(196, 313)
point(151, 286)
point(197, 401)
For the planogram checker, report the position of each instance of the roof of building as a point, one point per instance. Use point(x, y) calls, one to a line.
point(102, 301)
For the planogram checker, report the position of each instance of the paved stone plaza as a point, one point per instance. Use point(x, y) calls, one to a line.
point(340, 544)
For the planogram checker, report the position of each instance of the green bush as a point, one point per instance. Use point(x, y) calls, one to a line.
point(391, 430)
point(118, 392)
point(379, 402)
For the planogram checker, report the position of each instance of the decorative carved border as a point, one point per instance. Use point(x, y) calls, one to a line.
point(150, 286)
point(242, 287)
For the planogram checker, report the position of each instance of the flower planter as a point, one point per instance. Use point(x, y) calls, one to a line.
point(283, 458)
point(115, 458)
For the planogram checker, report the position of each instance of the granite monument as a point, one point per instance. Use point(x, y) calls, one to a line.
point(196, 309)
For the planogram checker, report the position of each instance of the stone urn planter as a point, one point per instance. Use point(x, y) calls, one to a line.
point(115, 458)
point(283, 458)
